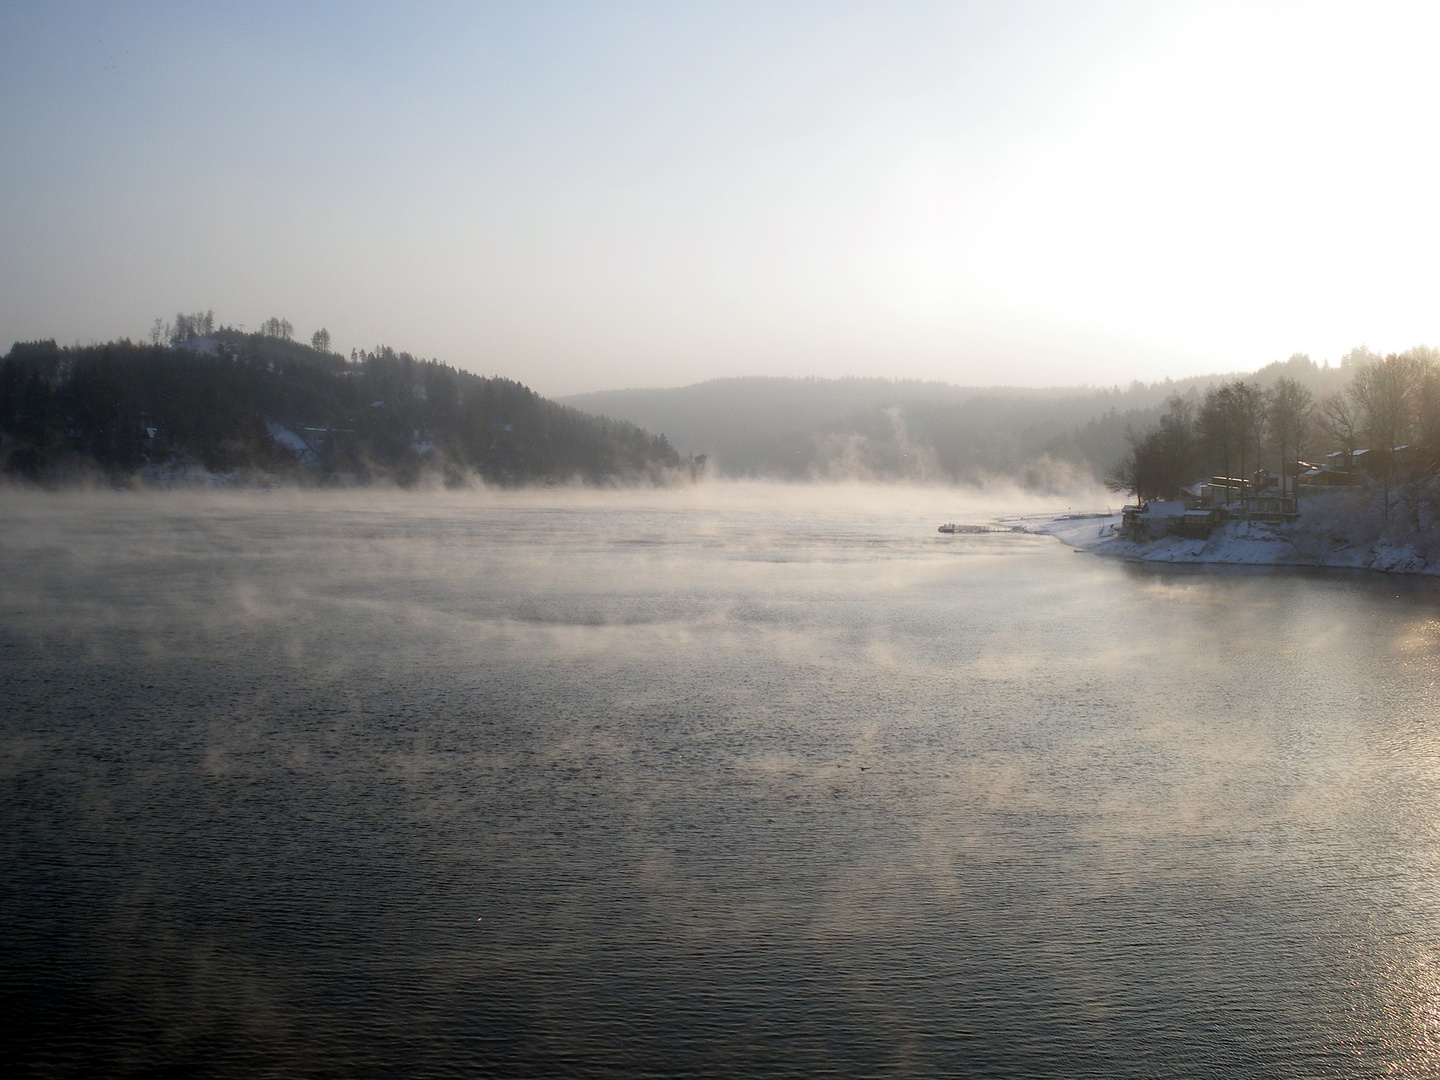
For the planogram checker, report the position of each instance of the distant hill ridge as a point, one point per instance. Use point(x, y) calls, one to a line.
point(885, 429)
point(251, 407)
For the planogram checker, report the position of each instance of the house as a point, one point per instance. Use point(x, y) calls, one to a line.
point(1272, 507)
point(1223, 490)
point(1197, 524)
point(1150, 520)
point(1154, 520)
point(1327, 477)
point(1371, 461)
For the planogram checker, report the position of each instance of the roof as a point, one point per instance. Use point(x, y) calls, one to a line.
point(1165, 509)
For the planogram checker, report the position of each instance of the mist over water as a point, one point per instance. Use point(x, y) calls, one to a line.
point(736, 780)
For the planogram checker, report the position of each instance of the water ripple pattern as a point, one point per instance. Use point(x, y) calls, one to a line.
point(594, 785)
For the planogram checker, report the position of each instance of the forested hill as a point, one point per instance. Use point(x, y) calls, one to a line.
point(888, 429)
point(254, 406)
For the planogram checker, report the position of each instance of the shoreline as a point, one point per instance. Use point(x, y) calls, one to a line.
point(1239, 543)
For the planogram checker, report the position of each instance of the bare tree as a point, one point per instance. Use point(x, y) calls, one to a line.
point(1423, 456)
point(1357, 358)
point(1388, 396)
point(277, 327)
point(1249, 407)
point(1231, 425)
point(1215, 423)
point(190, 327)
point(1161, 461)
point(1427, 418)
point(1338, 417)
point(1288, 409)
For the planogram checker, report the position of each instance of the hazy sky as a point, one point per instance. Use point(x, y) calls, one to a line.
point(586, 196)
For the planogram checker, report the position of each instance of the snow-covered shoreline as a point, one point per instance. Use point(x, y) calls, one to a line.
point(1241, 543)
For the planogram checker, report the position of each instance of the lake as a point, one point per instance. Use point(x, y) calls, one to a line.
point(743, 780)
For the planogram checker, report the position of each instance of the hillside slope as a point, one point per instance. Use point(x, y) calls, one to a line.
point(898, 429)
point(258, 406)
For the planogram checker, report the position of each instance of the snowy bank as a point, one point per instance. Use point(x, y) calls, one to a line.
point(1312, 541)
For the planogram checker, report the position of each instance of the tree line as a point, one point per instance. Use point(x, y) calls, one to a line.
point(1236, 429)
point(201, 324)
point(225, 401)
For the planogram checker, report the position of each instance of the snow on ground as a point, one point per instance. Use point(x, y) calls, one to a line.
point(1239, 543)
point(283, 436)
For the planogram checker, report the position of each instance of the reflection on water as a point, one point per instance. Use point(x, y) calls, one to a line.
point(583, 785)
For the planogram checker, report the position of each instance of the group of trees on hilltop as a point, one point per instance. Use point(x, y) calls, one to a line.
point(184, 328)
point(201, 324)
point(266, 404)
point(1237, 428)
point(277, 327)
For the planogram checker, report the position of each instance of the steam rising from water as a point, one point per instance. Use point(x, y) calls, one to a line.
point(736, 777)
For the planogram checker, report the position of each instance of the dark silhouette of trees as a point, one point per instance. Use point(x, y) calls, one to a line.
point(320, 340)
point(277, 327)
point(123, 407)
point(1231, 426)
point(1215, 424)
point(1391, 403)
point(1161, 460)
point(1250, 423)
point(1388, 394)
point(1339, 418)
point(187, 327)
point(1226, 432)
point(1288, 407)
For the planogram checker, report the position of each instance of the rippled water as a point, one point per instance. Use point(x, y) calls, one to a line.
point(603, 784)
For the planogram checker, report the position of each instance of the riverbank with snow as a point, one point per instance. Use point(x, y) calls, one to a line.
point(1317, 539)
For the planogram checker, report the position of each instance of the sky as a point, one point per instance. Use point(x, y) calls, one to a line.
point(593, 196)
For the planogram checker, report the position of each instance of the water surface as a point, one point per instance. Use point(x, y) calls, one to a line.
point(757, 783)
